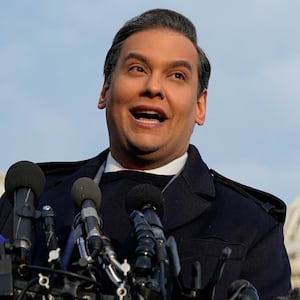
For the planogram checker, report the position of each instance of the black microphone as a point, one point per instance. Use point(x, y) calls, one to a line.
point(149, 200)
point(87, 196)
point(146, 196)
point(24, 183)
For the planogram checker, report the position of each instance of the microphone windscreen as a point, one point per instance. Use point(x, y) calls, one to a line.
point(85, 188)
point(25, 174)
point(143, 195)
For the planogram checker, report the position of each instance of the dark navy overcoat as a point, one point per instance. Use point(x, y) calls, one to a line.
point(203, 211)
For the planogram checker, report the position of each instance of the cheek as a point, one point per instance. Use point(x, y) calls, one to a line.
point(186, 109)
point(122, 90)
point(187, 119)
point(115, 107)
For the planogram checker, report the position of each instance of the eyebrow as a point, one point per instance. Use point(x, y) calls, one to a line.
point(136, 56)
point(181, 63)
point(173, 64)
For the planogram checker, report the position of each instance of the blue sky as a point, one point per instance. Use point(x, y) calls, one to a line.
point(51, 58)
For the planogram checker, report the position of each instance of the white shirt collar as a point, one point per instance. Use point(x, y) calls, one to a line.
point(171, 168)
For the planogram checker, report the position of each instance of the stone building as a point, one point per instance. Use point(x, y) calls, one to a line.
point(2, 176)
point(292, 240)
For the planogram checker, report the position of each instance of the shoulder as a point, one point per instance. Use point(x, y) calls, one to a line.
point(268, 202)
point(56, 172)
point(214, 185)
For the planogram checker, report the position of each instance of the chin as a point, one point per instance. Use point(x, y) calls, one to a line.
point(142, 149)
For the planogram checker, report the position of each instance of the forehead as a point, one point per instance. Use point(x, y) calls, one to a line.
point(160, 44)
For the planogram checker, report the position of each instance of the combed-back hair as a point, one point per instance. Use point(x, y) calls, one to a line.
point(153, 19)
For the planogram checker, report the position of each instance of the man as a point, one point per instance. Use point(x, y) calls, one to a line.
point(154, 92)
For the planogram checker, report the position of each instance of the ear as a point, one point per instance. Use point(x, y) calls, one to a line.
point(201, 108)
point(102, 97)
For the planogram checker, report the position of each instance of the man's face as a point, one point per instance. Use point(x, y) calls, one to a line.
point(151, 101)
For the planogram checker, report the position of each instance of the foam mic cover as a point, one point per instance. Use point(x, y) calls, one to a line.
point(86, 196)
point(24, 183)
point(144, 195)
point(83, 189)
point(25, 174)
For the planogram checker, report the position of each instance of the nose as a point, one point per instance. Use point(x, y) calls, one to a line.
point(153, 87)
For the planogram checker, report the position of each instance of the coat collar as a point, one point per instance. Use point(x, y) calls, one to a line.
point(197, 174)
point(190, 194)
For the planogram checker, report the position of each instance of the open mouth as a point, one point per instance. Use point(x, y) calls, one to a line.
point(148, 115)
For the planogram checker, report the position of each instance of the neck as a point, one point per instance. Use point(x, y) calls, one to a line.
point(170, 168)
point(139, 160)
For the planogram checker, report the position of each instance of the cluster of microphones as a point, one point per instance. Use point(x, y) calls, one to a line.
point(154, 273)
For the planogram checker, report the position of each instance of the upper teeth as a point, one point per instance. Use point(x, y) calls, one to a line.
point(148, 115)
point(152, 112)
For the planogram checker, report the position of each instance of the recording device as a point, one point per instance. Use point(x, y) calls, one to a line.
point(94, 245)
point(24, 183)
point(154, 274)
point(148, 199)
point(87, 196)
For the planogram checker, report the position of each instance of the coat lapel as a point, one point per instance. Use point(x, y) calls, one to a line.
point(186, 198)
point(190, 194)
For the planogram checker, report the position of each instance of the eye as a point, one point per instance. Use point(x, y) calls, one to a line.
point(179, 75)
point(138, 69)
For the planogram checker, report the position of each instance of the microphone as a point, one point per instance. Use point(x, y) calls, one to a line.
point(87, 196)
point(143, 197)
point(24, 183)
point(148, 199)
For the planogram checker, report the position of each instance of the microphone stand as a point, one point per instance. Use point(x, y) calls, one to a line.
point(48, 218)
point(6, 274)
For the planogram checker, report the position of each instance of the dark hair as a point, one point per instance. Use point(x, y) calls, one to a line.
point(158, 18)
